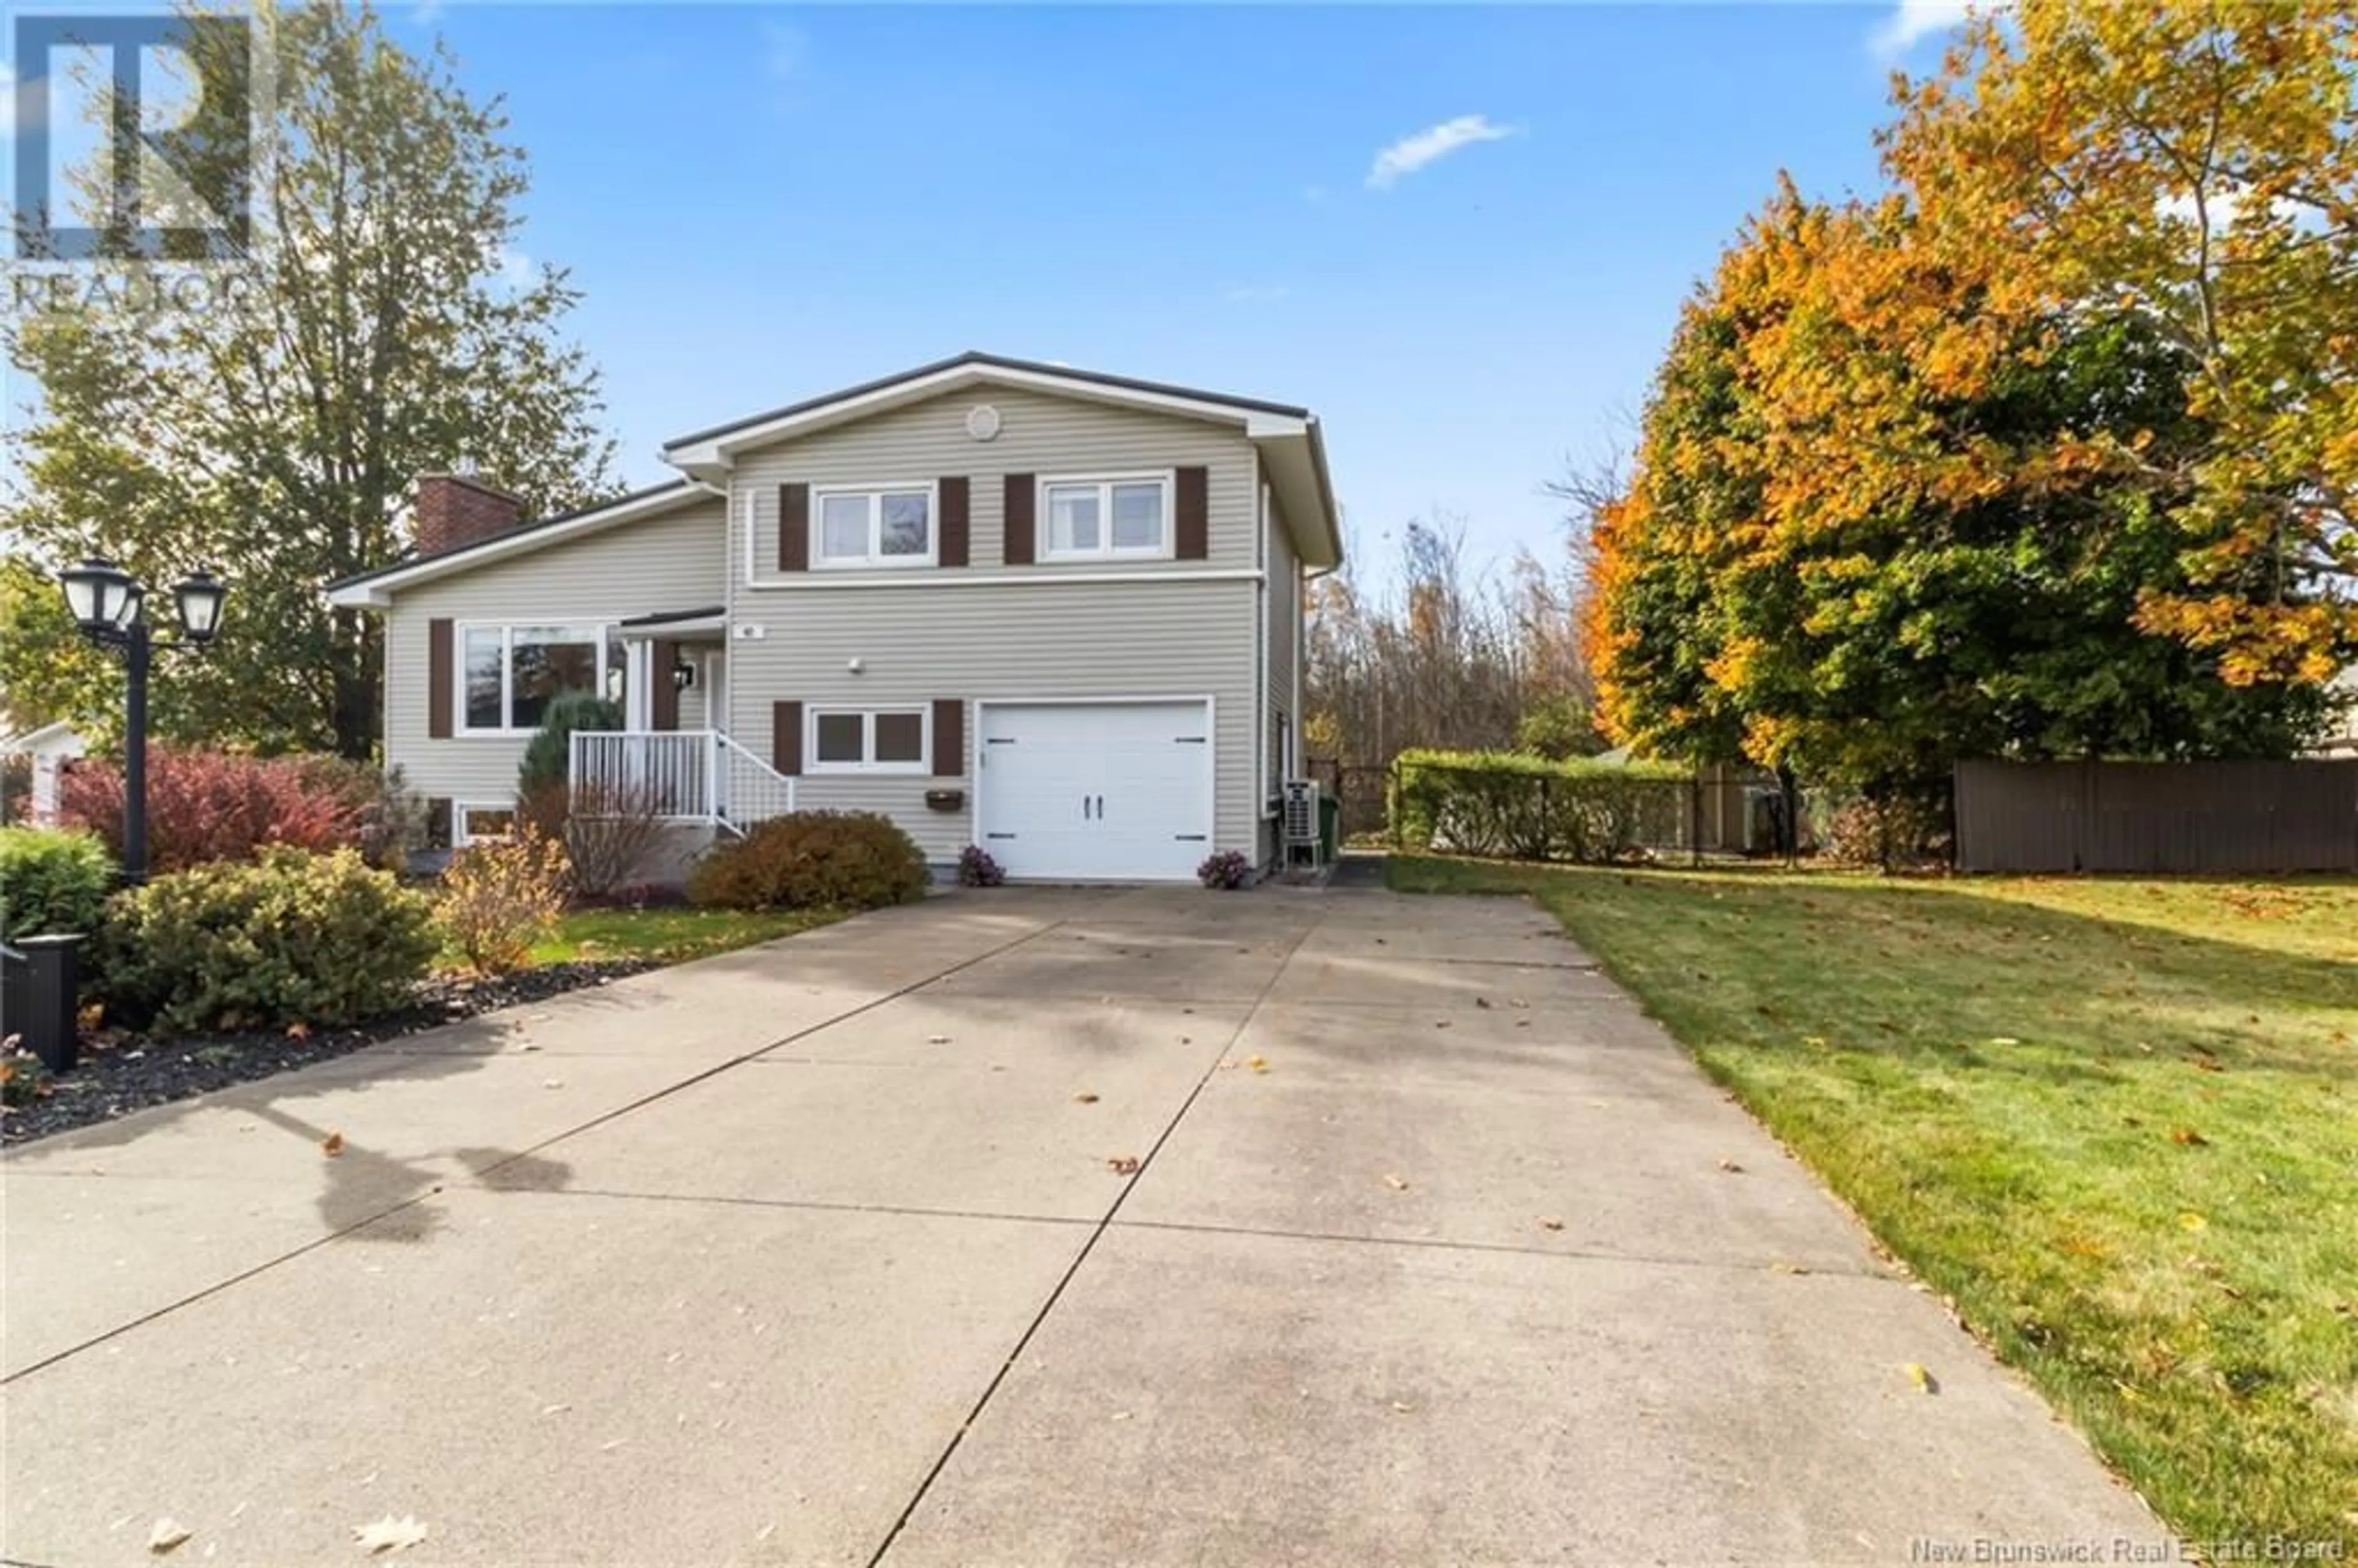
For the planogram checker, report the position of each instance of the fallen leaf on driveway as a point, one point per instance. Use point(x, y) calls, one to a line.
point(1258, 1064)
point(1921, 1376)
point(1727, 1164)
point(1123, 1164)
point(1397, 1184)
point(1550, 1222)
point(1402, 1406)
point(552, 1083)
point(1085, 1097)
point(1785, 1268)
point(554, 1409)
point(937, 1039)
point(389, 1534)
point(332, 1145)
point(167, 1534)
point(1482, 1001)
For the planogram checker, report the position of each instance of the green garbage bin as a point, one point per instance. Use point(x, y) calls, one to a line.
point(1330, 826)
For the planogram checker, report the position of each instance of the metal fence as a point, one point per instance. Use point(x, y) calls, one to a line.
point(2196, 817)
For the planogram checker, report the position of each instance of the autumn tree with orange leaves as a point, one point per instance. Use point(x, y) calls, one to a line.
point(1983, 468)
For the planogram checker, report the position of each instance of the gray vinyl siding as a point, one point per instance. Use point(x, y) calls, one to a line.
point(930, 633)
point(1038, 435)
point(670, 562)
point(1015, 642)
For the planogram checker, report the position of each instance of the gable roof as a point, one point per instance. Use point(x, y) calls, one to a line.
point(376, 586)
point(981, 364)
point(1293, 449)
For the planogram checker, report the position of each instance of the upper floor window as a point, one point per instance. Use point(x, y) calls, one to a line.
point(509, 674)
point(1118, 517)
point(879, 526)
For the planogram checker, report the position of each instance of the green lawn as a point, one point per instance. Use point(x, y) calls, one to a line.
point(2114, 1122)
point(667, 935)
point(672, 936)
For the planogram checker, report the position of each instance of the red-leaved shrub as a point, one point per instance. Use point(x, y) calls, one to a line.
point(213, 805)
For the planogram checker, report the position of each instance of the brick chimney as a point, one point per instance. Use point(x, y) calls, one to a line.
point(454, 509)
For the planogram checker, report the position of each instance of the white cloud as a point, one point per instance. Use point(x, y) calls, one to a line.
point(515, 271)
point(1911, 22)
point(1408, 155)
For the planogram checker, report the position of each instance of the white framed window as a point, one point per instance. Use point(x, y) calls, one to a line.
point(509, 674)
point(480, 822)
point(872, 526)
point(1106, 517)
point(868, 741)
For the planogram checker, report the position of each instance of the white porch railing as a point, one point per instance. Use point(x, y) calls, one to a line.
point(682, 775)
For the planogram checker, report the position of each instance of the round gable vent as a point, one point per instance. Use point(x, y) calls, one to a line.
point(982, 422)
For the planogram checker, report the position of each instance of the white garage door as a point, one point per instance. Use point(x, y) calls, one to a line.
point(1111, 791)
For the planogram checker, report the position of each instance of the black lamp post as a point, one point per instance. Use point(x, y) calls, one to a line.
point(106, 601)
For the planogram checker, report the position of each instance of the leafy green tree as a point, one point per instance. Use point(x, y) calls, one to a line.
point(384, 327)
point(1875, 526)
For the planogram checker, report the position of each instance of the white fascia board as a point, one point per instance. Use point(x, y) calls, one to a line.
point(719, 451)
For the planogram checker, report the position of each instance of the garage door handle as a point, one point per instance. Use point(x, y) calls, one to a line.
point(1100, 809)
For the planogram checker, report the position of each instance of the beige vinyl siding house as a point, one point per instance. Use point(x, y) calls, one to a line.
point(1048, 612)
point(593, 580)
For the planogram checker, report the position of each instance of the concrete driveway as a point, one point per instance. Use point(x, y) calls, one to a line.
point(1435, 1251)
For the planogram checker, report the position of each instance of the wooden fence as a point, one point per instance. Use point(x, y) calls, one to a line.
point(2221, 817)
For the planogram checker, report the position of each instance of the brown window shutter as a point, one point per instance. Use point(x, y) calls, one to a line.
point(437, 822)
point(663, 698)
point(1191, 531)
point(442, 679)
point(949, 737)
point(953, 522)
point(793, 528)
point(786, 737)
point(1022, 490)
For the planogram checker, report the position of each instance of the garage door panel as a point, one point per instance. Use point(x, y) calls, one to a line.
point(1096, 791)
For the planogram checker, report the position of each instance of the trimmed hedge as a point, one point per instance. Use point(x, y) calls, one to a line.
point(1517, 805)
point(52, 883)
point(290, 937)
point(813, 859)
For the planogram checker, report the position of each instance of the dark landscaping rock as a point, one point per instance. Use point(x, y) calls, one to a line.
point(120, 1074)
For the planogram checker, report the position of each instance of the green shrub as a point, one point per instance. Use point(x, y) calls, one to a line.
point(548, 755)
point(52, 882)
point(813, 859)
point(290, 937)
point(1522, 806)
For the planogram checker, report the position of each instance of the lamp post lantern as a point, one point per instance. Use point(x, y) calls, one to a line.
point(107, 604)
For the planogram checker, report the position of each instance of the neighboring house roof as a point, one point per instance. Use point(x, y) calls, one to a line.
point(376, 587)
point(60, 732)
point(1293, 455)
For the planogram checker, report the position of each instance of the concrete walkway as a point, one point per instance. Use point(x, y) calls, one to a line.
point(1437, 1251)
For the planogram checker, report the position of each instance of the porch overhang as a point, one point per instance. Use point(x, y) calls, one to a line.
point(704, 625)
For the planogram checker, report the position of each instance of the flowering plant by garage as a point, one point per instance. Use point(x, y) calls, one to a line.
point(1228, 870)
point(978, 870)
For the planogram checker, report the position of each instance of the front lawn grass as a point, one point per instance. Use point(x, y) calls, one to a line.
point(669, 935)
point(2114, 1122)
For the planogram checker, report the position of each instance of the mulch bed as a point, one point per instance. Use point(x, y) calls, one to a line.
point(119, 1073)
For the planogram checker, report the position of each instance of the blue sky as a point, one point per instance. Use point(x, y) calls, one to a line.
point(763, 204)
